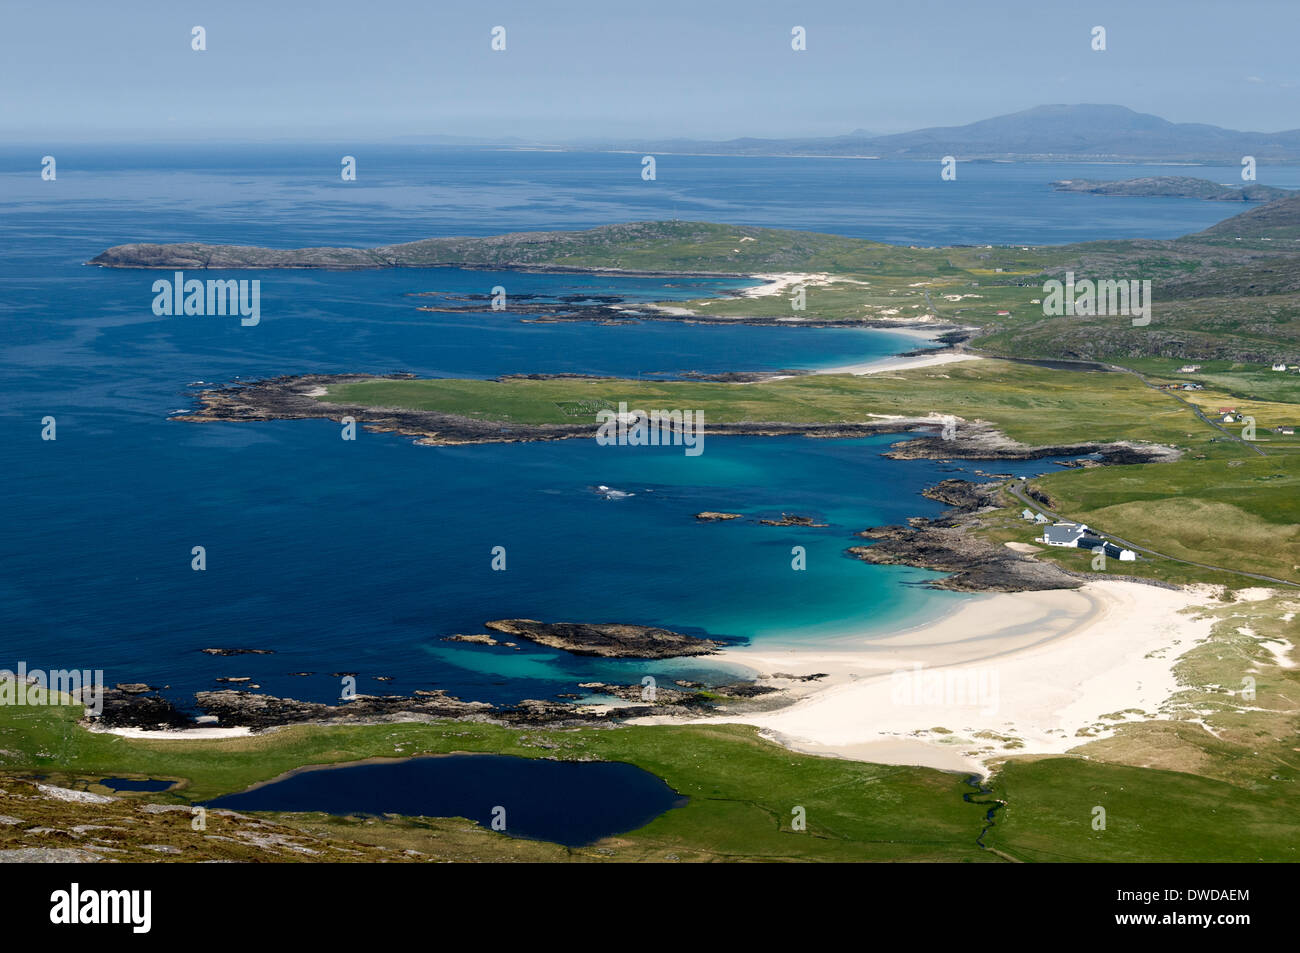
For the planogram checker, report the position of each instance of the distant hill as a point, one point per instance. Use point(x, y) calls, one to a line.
point(1174, 186)
point(1279, 220)
point(1043, 132)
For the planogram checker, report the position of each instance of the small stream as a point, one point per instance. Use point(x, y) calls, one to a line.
point(980, 787)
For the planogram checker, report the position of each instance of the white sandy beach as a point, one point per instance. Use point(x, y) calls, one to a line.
point(177, 734)
point(1005, 674)
point(901, 363)
point(778, 284)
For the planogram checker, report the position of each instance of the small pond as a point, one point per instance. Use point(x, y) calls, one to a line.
point(135, 784)
point(568, 802)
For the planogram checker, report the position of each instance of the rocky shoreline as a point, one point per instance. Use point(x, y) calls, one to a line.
point(230, 708)
point(948, 544)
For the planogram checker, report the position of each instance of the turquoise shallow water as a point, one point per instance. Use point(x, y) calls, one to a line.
point(362, 556)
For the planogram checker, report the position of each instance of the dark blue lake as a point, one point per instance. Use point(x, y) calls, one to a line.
point(567, 802)
point(136, 784)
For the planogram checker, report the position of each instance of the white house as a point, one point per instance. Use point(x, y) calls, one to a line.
point(1279, 367)
point(1063, 534)
point(1189, 369)
point(1113, 551)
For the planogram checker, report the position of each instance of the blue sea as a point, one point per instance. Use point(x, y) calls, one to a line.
point(361, 556)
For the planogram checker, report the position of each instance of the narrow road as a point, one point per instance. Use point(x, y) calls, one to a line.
point(1250, 444)
point(1016, 488)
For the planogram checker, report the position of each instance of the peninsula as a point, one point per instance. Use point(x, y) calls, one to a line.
point(1174, 186)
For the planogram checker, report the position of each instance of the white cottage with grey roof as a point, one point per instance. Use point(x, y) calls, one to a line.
point(1064, 534)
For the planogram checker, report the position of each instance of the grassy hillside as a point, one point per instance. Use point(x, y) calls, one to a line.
point(1239, 512)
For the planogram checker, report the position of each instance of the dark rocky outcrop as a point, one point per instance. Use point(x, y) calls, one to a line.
point(976, 564)
point(977, 440)
point(479, 639)
point(791, 519)
point(252, 710)
point(607, 639)
point(947, 544)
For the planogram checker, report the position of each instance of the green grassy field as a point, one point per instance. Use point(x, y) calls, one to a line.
point(742, 793)
point(1150, 815)
point(742, 789)
point(1239, 512)
point(1029, 403)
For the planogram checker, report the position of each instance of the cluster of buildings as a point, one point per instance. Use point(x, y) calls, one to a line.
point(1076, 535)
point(1229, 415)
point(1277, 366)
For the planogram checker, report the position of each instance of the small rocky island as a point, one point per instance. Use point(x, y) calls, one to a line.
point(793, 519)
point(607, 639)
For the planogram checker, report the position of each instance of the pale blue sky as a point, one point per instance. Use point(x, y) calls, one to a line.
point(348, 70)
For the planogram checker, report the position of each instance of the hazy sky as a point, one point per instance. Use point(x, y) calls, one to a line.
point(344, 69)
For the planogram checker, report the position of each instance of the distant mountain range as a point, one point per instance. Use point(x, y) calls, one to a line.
point(1043, 132)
